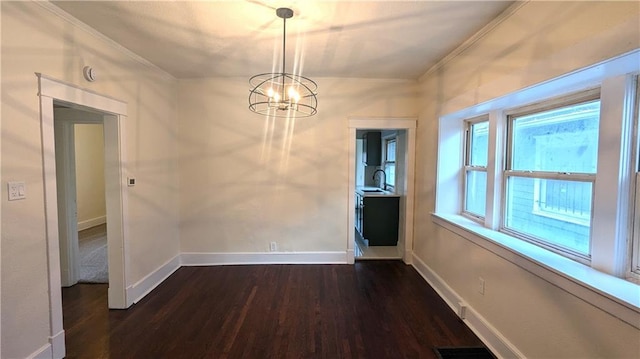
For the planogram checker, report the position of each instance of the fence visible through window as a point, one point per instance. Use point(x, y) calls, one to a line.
point(551, 175)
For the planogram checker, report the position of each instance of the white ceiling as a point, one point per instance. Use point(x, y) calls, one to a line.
point(363, 39)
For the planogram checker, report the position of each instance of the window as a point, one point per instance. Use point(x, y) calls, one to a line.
point(562, 181)
point(390, 161)
point(475, 167)
point(550, 176)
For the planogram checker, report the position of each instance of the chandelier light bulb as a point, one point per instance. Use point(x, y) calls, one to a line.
point(292, 92)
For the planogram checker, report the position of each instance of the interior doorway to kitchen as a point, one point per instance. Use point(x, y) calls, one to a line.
point(381, 177)
point(380, 172)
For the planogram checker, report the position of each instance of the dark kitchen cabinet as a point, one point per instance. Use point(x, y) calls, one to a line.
point(359, 206)
point(372, 148)
point(378, 219)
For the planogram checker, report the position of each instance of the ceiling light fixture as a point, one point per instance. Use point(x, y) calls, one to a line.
point(283, 94)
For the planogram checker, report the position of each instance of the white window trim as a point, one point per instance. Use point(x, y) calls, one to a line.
point(468, 123)
point(602, 284)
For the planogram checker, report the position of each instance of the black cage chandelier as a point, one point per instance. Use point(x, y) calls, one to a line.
point(283, 94)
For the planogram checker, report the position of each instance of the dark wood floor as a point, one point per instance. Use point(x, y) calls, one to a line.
point(373, 309)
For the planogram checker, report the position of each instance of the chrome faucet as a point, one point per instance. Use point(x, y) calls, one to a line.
point(384, 178)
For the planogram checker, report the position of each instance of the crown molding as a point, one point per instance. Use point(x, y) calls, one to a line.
point(512, 9)
point(100, 36)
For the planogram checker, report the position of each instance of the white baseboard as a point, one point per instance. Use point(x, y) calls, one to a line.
point(444, 291)
point(58, 348)
point(204, 259)
point(144, 286)
point(351, 256)
point(408, 257)
point(44, 352)
point(82, 225)
point(490, 336)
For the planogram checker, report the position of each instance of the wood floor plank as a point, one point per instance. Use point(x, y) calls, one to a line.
point(373, 309)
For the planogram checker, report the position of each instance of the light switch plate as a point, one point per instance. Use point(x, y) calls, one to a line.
point(17, 190)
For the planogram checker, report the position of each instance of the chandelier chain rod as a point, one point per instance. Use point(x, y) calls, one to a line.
point(284, 50)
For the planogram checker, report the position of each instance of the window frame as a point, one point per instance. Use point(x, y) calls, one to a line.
point(385, 143)
point(467, 166)
point(510, 116)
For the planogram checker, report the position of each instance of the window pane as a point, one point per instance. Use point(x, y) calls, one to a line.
point(560, 140)
point(479, 144)
point(635, 256)
point(476, 192)
point(391, 150)
point(571, 200)
point(555, 211)
point(390, 170)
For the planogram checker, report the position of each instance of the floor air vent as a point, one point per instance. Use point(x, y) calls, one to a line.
point(464, 353)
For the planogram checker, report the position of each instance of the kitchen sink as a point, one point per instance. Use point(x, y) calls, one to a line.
point(373, 190)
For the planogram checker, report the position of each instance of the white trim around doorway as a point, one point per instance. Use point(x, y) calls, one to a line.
point(368, 123)
point(115, 112)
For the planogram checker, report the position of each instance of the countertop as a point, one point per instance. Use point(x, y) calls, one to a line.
point(363, 191)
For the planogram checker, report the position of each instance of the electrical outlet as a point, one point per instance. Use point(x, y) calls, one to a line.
point(273, 246)
point(481, 285)
point(462, 311)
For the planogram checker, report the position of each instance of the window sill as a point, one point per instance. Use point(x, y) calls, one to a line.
point(615, 296)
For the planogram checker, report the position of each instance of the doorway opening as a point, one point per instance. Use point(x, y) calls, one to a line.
point(381, 188)
point(80, 175)
point(379, 174)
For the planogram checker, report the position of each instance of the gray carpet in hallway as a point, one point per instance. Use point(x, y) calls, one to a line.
point(94, 266)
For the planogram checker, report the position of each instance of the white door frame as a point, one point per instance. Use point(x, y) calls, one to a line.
point(67, 211)
point(116, 196)
point(408, 124)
